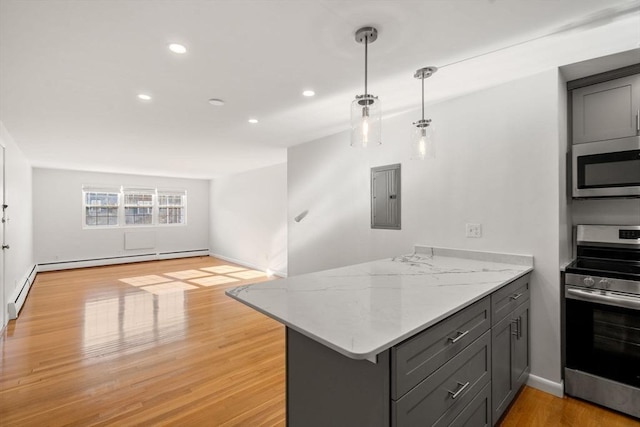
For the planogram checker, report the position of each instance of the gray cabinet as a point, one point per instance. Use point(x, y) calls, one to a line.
point(440, 398)
point(463, 371)
point(420, 356)
point(509, 358)
point(608, 110)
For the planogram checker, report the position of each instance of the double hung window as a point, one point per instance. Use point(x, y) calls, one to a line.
point(101, 207)
point(138, 206)
point(132, 207)
point(172, 207)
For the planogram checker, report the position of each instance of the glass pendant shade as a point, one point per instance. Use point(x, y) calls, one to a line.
point(366, 119)
point(422, 141)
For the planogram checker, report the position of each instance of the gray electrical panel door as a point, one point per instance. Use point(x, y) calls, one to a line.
point(385, 197)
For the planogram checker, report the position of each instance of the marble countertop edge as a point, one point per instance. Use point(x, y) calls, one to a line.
point(516, 259)
point(288, 301)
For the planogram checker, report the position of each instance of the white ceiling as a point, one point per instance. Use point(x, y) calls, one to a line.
point(70, 71)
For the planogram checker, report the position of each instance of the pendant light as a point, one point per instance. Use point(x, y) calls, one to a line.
point(366, 114)
point(422, 144)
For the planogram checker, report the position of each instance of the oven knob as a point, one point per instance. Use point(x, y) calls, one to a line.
point(589, 282)
point(604, 284)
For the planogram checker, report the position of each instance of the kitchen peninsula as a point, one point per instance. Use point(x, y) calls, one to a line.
point(403, 341)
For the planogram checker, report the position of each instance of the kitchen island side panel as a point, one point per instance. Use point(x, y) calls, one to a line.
point(325, 388)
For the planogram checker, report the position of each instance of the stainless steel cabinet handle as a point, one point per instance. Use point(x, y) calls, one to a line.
point(516, 296)
point(519, 327)
point(461, 387)
point(458, 337)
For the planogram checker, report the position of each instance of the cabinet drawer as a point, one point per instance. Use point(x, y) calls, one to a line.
point(478, 412)
point(440, 398)
point(417, 358)
point(504, 300)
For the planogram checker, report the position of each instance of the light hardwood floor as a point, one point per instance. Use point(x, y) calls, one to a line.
point(92, 349)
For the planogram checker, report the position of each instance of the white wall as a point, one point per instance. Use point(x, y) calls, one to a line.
point(249, 218)
point(60, 237)
point(19, 259)
point(497, 164)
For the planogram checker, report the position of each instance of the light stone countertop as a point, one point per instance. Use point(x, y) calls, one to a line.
point(364, 309)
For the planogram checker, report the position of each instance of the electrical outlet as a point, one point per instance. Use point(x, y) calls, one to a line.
point(474, 230)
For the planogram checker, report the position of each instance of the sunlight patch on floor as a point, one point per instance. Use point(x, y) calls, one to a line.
point(249, 274)
point(165, 283)
point(186, 274)
point(145, 280)
point(223, 269)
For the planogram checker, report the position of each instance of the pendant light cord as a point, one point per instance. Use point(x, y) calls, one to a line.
point(366, 44)
point(422, 96)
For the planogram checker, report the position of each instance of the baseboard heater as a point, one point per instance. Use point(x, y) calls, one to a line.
point(16, 303)
point(97, 262)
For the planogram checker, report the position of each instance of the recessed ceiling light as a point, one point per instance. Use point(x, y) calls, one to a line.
point(253, 121)
point(216, 101)
point(177, 48)
point(144, 97)
point(308, 93)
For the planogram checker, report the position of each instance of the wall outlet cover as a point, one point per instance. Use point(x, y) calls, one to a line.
point(473, 230)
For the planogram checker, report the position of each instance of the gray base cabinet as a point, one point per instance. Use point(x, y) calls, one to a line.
point(463, 371)
point(510, 345)
point(325, 388)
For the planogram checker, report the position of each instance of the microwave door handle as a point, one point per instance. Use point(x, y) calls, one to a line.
point(607, 299)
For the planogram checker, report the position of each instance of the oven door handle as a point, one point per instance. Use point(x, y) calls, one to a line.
point(609, 298)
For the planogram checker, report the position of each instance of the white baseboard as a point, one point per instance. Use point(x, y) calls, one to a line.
point(19, 296)
point(247, 264)
point(98, 262)
point(543, 384)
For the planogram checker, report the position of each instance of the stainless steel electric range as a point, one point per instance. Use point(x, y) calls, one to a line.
point(602, 318)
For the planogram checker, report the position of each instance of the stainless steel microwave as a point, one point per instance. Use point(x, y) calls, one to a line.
point(607, 168)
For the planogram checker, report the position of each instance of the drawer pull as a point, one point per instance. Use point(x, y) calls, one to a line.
point(461, 387)
point(518, 323)
point(458, 337)
point(516, 296)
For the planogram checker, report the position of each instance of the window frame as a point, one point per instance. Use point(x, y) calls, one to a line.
point(121, 192)
point(183, 197)
point(85, 206)
point(139, 192)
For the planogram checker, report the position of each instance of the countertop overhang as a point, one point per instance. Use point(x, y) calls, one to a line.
point(365, 309)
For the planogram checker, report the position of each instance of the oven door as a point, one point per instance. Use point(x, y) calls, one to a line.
point(607, 168)
point(603, 334)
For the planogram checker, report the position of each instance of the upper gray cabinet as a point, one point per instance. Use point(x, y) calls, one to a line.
point(607, 110)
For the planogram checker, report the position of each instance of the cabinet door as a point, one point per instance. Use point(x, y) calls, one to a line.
point(606, 110)
point(501, 369)
point(520, 364)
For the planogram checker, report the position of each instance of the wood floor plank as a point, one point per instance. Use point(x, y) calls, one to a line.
point(90, 349)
